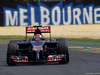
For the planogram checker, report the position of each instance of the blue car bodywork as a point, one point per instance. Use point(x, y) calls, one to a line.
point(33, 51)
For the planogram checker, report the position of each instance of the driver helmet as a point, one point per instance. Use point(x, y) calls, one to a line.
point(38, 37)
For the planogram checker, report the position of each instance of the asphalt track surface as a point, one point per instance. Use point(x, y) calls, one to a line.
point(83, 61)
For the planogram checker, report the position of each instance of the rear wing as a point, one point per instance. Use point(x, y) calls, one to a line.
point(44, 29)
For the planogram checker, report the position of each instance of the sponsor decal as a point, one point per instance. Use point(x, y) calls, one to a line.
point(42, 29)
point(58, 14)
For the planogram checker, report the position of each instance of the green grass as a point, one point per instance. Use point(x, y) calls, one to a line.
point(11, 37)
point(83, 40)
point(69, 39)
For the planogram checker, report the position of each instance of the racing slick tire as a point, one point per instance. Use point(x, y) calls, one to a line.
point(12, 48)
point(63, 49)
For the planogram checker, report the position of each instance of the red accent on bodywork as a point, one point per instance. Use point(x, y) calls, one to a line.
point(20, 60)
point(44, 29)
point(55, 58)
point(31, 29)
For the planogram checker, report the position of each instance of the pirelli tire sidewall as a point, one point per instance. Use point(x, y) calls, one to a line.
point(63, 49)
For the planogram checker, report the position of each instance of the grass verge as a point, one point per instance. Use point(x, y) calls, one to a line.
point(84, 40)
point(69, 39)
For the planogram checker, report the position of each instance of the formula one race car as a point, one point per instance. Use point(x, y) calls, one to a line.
point(38, 48)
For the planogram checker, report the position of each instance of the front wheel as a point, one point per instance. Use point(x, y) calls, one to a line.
point(12, 48)
point(63, 49)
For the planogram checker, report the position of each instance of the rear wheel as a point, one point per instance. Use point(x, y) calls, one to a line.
point(12, 48)
point(63, 49)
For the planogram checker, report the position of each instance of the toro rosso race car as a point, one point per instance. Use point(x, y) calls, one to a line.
point(38, 48)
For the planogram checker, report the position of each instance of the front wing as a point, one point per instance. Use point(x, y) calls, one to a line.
point(50, 58)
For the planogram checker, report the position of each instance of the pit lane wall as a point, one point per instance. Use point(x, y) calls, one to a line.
point(64, 31)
